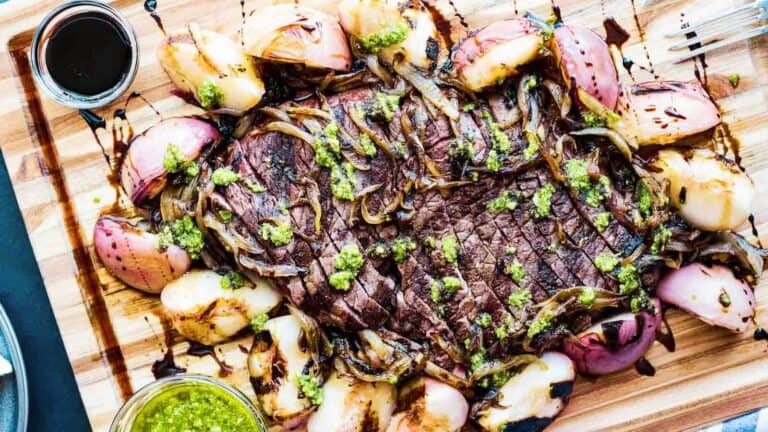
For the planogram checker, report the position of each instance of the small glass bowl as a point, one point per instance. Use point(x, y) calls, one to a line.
point(45, 30)
point(123, 421)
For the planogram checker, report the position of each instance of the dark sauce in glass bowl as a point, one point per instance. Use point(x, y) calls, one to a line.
point(88, 54)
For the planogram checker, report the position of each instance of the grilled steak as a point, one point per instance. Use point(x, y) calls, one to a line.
point(458, 252)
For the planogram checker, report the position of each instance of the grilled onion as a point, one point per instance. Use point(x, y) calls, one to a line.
point(132, 255)
point(713, 294)
point(297, 34)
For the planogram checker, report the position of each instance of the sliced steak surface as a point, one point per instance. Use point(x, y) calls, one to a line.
point(457, 254)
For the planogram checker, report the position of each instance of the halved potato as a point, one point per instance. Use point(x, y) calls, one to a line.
point(203, 311)
point(212, 68)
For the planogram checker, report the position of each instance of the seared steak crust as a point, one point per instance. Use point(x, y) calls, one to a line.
point(418, 187)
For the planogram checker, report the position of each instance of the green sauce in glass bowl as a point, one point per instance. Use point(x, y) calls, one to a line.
point(188, 403)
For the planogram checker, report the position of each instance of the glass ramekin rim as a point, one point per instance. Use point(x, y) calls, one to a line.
point(59, 94)
point(156, 387)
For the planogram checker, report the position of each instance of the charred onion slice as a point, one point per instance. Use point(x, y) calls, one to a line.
point(297, 34)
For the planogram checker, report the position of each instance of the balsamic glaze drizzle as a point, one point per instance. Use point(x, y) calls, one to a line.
point(151, 7)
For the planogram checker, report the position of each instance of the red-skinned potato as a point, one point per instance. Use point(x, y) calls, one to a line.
point(496, 52)
point(297, 34)
point(713, 294)
point(131, 255)
point(615, 343)
point(142, 174)
point(585, 62)
point(438, 408)
point(665, 112)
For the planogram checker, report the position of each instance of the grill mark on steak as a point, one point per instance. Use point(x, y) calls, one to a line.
point(540, 233)
point(476, 264)
point(577, 259)
point(368, 312)
point(616, 235)
point(380, 288)
point(545, 268)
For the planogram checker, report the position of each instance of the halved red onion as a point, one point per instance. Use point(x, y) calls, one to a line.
point(496, 52)
point(585, 62)
point(142, 174)
point(297, 34)
point(615, 343)
point(713, 294)
point(666, 111)
point(132, 255)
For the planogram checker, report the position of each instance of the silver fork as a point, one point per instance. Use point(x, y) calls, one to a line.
point(716, 28)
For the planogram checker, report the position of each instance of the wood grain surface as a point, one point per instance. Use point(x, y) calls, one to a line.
point(113, 334)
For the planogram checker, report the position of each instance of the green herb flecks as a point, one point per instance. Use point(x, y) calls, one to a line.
point(310, 388)
point(444, 288)
point(343, 181)
point(231, 280)
point(593, 120)
point(224, 177)
point(451, 249)
point(540, 324)
point(493, 162)
point(347, 264)
point(606, 262)
point(587, 297)
point(225, 216)
point(377, 41)
point(279, 234)
point(533, 145)
point(629, 279)
point(183, 233)
point(602, 220)
point(209, 94)
point(519, 298)
point(530, 84)
point(735, 79)
point(477, 360)
point(367, 144)
point(660, 239)
point(174, 162)
point(577, 173)
point(484, 320)
point(542, 201)
point(349, 259)
point(644, 201)
point(506, 201)
point(401, 247)
point(515, 271)
point(640, 301)
point(254, 186)
point(384, 107)
point(461, 149)
point(342, 280)
point(258, 322)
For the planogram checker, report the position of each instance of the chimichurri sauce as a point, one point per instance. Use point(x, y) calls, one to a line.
point(195, 408)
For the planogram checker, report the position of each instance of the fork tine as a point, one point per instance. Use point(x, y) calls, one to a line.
point(713, 34)
point(725, 42)
point(712, 21)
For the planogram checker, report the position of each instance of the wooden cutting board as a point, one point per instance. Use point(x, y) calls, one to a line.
point(113, 334)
